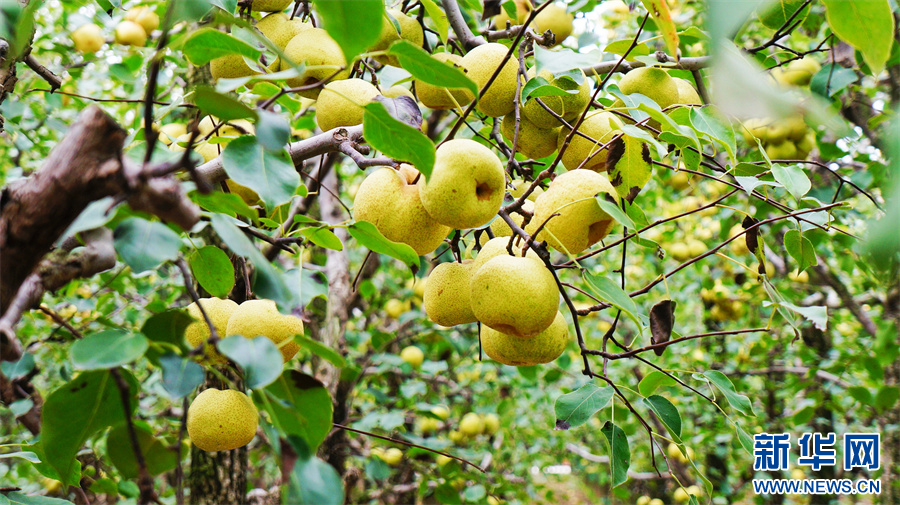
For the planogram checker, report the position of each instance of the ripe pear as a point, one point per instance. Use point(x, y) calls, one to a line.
point(687, 95)
point(755, 128)
point(480, 64)
point(535, 112)
point(270, 5)
point(398, 91)
point(466, 187)
point(320, 54)
point(446, 297)
point(517, 296)
point(581, 222)
point(799, 72)
point(436, 97)
point(534, 141)
point(88, 38)
point(491, 423)
point(412, 355)
point(144, 16)
point(249, 196)
point(205, 149)
point(654, 83)
point(410, 30)
point(497, 247)
point(519, 186)
point(256, 318)
point(786, 150)
point(523, 8)
point(393, 456)
point(236, 128)
point(511, 350)
point(556, 19)
point(394, 308)
point(441, 411)
point(341, 103)
point(796, 128)
point(471, 425)
point(168, 132)
point(129, 33)
point(280, 29)
point(390, 200)
point(221, 420)
point(197, 333)
point(230, 66)
point(600, 126)
point(501, 229)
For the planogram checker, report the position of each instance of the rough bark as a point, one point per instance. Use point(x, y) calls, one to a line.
point(890, 444)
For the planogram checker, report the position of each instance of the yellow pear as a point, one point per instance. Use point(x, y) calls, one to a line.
point(129, 33)
point(574, 103)
point(168, 132)
point(144, 16)
point(236, 128)
point(341, 103)
point(410, 30)
point(581, 222)
point(466, 187)
point(320, 55)
point(501, 229)
point(654, 83)
point(557, 20)
point(270, 5)
point(519, 186)
point(436, 97)
point(412, 355)
point(205, 149)
point(497, 246)
point(687, 95)
point(491, 423)
point(197, 333)
point(523, 8)
point(535, 112)
point(511, 350)
point(446, 297)
point(599, 126)
point(260, 318)
point(800, 72)
point(786, 150)
point(394, 308)
point(480, 64)
point(88, 38)
point(534, 141)
point(397, 91)
point(280, 29)
point(221, 420)
point(512, 295)
point(249, 196)
point(471, 425)
point(230, 66)
point(393, 456)
point(389, 199)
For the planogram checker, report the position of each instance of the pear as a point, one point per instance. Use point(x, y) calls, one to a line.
point(511, 350)
point(480, 64)
point(654, 83)
point(557, 20)
point(574, 103)
point(581, 222)
point(497, 247)
point(786, 150)
point(519, 186)
point(569, 106)
point(799, 72)
point(205, 149)
point(249, 196)
point(446, 297)
point(796, 128)
point(129, 33)
point(270, 5)
point(523, 8)
point(600, 126)
point(410, 30)
point(144, 16)
point(466, 187)
point(230, 66)
point(501, 229)
point(280, 29)
point(197, 333)
point(221, 420)
point(236, 128)
point(341, 103)
point(389, 199)
point(755, 128)
point(534, 141)
point(687, 95)
point(535, 112)
point(320, 54)
point(397, 91)
point(413, 356)
point(516, 296)
point(436, 97)
point(88, 38)
point(168, 132)
point(260, 318)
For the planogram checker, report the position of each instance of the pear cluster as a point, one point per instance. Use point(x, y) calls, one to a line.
point(783, 139)
point(133, 30)
point(554, 18)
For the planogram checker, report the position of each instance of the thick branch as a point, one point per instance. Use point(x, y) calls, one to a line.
point(460, 28)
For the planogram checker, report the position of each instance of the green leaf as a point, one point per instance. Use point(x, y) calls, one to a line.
point(667, 413)
point(446, 494)
point(321, 350)
point(166, 328)
point(634, 131)
point(886, 397)
point(77, 410)
point(224, 203)
point(437, 16)
point(745, 440)
point(206, 44)
point(793, 178)
point(224, 107)
point(615, 212)
point(272, 131)
point(353, 24)
point(738, 401)
point(258, 356)
point(180, 376)
point(15, 369)
point(538, 87)
point(270, 174)
point(144, 245)
point(423, 67)
point(194, 10)
point(619, 453)
point(575, 408)
point(860, 394)
point(800, 248)
point(213, 270)
point(705, 121)
point(95, 215)
point(26, 455)
point(610, 292)
point(629, 166)
point(299, 405)
point(831, 80)
point(368, 236)
point(818, 315)
point(867, 25)
point(313, 482)
point(562, 60)
point(653, 381)
point(17, 498)
point(157, 456)
point(108, 349)
point(322, 236)
point(397, 139)
point(659, 10)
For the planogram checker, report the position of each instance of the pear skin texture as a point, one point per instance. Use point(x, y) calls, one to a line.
point(466, 186)
point(321, 55)
point(222, 420)
point(574, 103)
point(446, 299)
point(497, 247)
point(88, 38)
point(501, 229)
point(516, 296)
point(270, 5)
point(341, 103)
point(168, 132)
point(480, 64)
point(230, 66)
point(196, 333)
point(410, 30)
point(511, 350)
point(534, 141)
point(280, 29)
point(388, 199)
point(654, 83)
point(687, 95)
point(557, 20)
point(581, 222)
point(255, 318)
point(436, 97)
point(600, 126)
point(535, 112)
point(129, 33)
